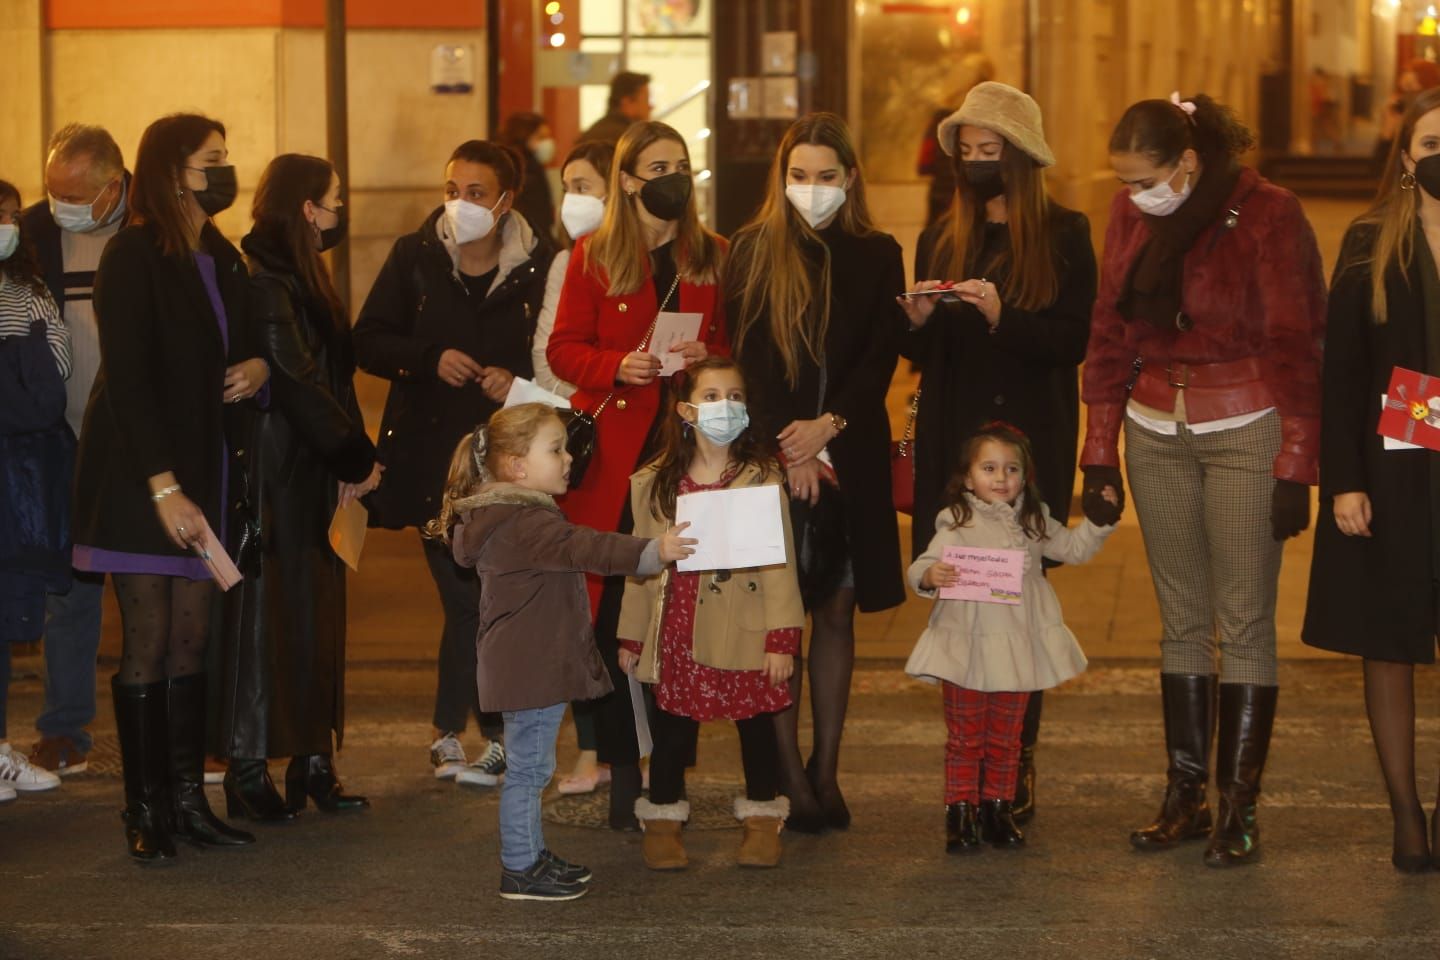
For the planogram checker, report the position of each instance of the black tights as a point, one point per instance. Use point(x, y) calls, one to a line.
point(166, 621)
point(1390, 704)
point(832, 662)
point(675, 739)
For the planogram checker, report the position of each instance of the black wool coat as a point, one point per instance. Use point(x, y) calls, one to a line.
point(282, 653)
point(1025, 373)
point(1373, 596)
point(417, 309)
point(158, 400)
point(861, 349)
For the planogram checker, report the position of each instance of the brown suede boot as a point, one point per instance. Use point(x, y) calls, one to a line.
point(662, 844)
point(763, 820)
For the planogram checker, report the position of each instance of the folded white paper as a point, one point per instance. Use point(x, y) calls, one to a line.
point(527, 391)
point(736, 528)
point(670, 329)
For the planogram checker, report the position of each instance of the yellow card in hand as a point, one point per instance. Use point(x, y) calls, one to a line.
point(347, 532)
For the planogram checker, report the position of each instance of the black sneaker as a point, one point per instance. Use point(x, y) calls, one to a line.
point(565, 871)
point(540, 882)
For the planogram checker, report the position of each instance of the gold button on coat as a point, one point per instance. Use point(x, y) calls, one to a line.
point(624, 307)
point(621, 404)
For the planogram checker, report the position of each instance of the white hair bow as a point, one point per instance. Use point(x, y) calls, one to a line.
point(1187, 105)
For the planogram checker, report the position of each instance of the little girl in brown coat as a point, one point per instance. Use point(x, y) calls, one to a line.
point(535, 652)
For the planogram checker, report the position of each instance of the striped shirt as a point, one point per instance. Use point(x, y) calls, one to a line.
point(21, 306)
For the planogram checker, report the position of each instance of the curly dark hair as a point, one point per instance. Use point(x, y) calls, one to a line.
point(23, 266)
point(1032, 507)
point(677, 439)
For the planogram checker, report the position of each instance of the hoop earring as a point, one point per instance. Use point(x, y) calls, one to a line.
point(1407, 181)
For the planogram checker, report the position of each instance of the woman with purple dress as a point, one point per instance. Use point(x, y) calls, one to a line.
point(177, 362)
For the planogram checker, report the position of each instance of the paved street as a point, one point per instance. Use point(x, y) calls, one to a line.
point(416, 875)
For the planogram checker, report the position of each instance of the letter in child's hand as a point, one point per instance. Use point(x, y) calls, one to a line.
point(985, 575)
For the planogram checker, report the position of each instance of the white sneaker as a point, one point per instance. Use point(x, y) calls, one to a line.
point(7, 794)
point(17, 772)
point(447, 756)
point(487, 771)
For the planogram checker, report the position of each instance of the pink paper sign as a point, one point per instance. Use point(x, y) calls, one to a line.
point(986, 575)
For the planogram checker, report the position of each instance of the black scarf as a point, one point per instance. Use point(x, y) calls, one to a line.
point(1152, 289)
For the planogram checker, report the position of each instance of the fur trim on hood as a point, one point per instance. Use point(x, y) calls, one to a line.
point(500, 492)
point(517, 243)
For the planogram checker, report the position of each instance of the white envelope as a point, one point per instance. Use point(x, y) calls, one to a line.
point(670, 329)
point(736, 528)
point(527, 391)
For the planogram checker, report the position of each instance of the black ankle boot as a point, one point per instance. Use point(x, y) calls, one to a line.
point(1188, 704)
point(313, 776)
point(140, 723)
point(997, 825)
point(962, 828)
point(625, 782)
point(194, 820)
point(250, 793)
point(1247, 717)
point(1023, 809)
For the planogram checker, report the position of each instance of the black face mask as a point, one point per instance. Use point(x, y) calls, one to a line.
point(220, 189)
point(1427, 174)
point(330, 237)
point(984, 178)
point(666, 197)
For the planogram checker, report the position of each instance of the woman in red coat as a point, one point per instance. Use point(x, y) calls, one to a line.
point(651, 254)
point(1205, 343)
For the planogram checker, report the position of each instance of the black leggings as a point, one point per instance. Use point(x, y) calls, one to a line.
point(457, 695)
point(675, 739)
point(166, 622)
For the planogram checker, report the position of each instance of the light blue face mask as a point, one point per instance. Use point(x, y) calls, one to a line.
point(9, 240)
point(721, 420)
point(80, 217)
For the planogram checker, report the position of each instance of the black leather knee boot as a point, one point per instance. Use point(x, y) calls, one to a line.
point(193, 819)
point(140, 722)
point(1247, 717)
point(1189, 708)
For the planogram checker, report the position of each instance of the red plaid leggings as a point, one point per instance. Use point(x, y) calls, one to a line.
point(983, 734)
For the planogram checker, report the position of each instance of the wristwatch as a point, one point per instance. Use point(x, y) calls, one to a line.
point(838, 422)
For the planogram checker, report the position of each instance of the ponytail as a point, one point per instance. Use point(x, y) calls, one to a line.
point(1162, 130)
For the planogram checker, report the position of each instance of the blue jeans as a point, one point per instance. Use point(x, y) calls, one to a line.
point(529, 764)
point(72, 640)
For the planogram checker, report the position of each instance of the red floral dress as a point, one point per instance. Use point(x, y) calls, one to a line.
point(690, 689)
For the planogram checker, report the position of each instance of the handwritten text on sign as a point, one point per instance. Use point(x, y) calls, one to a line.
point(986, 575)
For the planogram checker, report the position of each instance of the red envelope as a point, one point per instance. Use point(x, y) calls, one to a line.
point(1412, 409)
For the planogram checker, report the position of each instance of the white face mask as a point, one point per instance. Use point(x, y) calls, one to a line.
point(1161, 200)
point(544, 150)
point(581, 214)
point(815, 202)
point(9, 240)
point(76, 217)
point(470, 221)
point(721, 420)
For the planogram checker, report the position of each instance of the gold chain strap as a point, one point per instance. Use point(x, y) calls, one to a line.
point(644, 342)
point(903, 449)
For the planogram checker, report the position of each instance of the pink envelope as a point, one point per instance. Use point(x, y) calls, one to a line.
point(217, 561)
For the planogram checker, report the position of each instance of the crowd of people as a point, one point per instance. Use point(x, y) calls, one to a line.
point(169, 400)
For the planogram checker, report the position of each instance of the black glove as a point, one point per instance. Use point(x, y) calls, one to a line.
point(1289, 509)
point(1096, 508)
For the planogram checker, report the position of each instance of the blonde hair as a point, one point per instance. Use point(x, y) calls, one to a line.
point(768, 272)
point(480, 453)
point(618, 249)
point(1394, 211)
